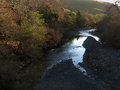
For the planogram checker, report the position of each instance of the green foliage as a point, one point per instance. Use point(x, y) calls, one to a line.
point(81, 19)
point(32, 33)
point(70, 18)
point(52, 18)
point(35, 18)
point(85, 19)
point(38, 18)
point(32, 25)
point(99, 17)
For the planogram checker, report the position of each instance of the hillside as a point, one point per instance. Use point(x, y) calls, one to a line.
point(28, 30)
point(86, 5)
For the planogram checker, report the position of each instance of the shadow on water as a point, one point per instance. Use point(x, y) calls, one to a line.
point(74, 37)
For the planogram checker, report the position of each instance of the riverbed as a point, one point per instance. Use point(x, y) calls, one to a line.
point(64, 71)
point(73, 49)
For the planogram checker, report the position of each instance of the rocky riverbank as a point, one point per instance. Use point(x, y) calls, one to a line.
point(64, 76)
point(105, 64)
point(102, 63)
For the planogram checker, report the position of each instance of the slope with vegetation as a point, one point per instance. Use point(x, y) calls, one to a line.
point(110, 27)
point(104, 62)
point(92, 6)
point(28, 28)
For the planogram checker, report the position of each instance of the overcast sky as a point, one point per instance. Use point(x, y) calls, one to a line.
point(111, 1)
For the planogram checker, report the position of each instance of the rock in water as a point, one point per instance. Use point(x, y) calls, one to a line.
point(90, 44)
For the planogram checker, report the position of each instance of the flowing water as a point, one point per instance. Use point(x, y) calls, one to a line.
point(71, 50)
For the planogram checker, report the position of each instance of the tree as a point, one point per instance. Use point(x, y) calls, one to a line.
point(110, 27)
point(78, 19)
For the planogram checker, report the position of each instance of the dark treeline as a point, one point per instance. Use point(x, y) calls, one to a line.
point(110, 27)
point(28, 28)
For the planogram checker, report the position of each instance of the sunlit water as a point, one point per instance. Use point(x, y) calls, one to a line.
point(71, 50)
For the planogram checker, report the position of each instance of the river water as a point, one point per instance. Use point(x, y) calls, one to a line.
point(71, 50)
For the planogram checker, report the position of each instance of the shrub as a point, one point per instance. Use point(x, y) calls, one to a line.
point(70, 19)
point(85, 19)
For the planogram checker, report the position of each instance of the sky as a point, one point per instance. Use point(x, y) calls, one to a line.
point(111, 1)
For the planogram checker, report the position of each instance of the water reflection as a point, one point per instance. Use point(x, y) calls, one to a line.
point(71, 50)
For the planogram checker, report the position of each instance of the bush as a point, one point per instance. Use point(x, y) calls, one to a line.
point(85, 19)
point(70, 19)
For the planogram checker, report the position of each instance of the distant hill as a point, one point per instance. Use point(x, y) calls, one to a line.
point(86, 5)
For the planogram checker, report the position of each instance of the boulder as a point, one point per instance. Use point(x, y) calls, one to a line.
point(91, 44)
